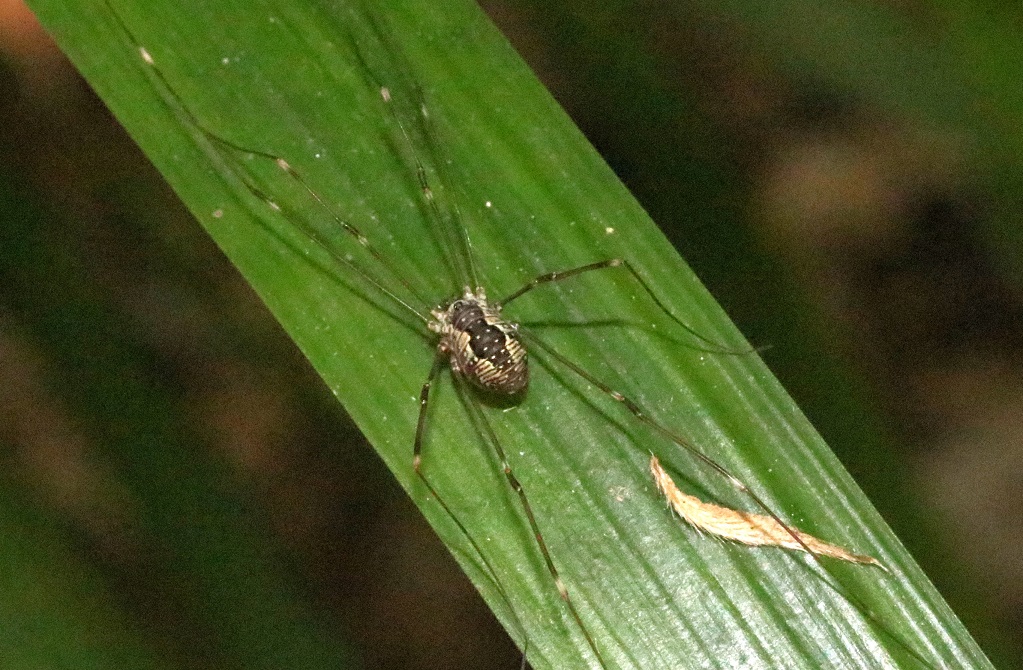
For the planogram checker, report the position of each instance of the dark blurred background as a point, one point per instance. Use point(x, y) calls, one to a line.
point(854, 234)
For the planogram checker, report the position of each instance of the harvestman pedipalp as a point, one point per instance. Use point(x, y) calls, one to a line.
point(482, 348)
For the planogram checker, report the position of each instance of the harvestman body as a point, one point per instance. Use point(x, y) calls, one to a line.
point(482, 346)
point(488, 351)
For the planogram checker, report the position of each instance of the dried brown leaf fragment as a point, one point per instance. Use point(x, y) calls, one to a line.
point(756, 530)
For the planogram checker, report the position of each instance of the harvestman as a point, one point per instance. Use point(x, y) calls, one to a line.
point(487, 351)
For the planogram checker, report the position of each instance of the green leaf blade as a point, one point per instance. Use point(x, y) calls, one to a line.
point(535, 198)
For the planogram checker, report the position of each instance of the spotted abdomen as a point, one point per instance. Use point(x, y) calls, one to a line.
point(484, 348)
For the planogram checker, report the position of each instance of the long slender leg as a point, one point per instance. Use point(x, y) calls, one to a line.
point(417, 465)
point(480, 419)
point(640, 414)
point(458, 246)
point(561, 275)
point(670, 435)
point(225, 148)
point(346, 226)
point(424, 404)
point(456, 236)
